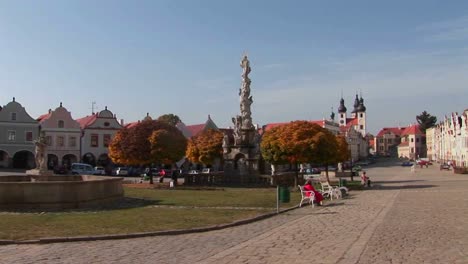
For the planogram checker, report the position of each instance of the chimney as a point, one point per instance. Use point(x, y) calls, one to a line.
point(121, 122)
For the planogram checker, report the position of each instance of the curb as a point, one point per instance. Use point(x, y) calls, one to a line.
point(48, 240)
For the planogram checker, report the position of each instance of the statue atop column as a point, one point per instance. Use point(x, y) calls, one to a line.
point(242, 155)
point(244, 93)
point(41, 152)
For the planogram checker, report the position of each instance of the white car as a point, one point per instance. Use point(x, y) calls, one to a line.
point(98, 170)
point(121, 171)
point(82, 169)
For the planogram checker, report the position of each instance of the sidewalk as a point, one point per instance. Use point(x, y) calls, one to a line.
point(405, 218)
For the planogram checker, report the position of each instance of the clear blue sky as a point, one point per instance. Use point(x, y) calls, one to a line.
point(182, 57)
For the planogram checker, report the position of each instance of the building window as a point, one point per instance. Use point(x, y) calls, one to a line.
point(361, 115)
point(13, 116)
point(417, 150)
point(389, 140)
point(381, 148)
point(11, 135)
point(49, 141)
point(106, 140)
point(417, 139)
point(381, 140)
point(412, 150)
point(72, 142)
point(342, 115)
point(361, 127)
point(61, 124)
point(94, 140)
point(412, 139)
point(29, 136)
point(60, 141)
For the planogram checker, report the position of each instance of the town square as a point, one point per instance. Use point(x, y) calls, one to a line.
point(233, 132)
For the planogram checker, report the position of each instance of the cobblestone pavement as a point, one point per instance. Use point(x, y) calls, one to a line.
point(406, 218)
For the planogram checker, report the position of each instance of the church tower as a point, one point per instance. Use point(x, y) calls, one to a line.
point(361, 117)
point(342, 113)
point(356, 105)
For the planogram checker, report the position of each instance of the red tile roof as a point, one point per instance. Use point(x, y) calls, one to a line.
point(351, 121)
point(412, 130)
point(272, 125)
point(43, 117)
point(394, 130)
point(195, 129)
point(130, 125)
point(86, 121)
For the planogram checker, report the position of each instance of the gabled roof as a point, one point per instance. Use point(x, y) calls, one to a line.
point(393, 130)
point(86, 121)
point(44, 117)
point(195, 129)
point(132, 124)
point(412, 130)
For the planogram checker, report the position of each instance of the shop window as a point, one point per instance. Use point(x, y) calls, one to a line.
point(11, 135)
point(106, 140)
point(29, 136)
point(94, 140)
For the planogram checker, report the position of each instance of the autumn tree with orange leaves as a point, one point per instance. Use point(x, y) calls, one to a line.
point(149, 142)
point(205, 147)
point(290, 144)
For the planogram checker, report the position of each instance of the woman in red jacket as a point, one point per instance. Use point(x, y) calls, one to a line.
point(309, 188)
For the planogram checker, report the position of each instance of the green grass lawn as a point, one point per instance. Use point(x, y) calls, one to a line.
point(167, 210)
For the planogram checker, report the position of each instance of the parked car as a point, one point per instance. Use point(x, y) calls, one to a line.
point(406, 164)
point(82, 168)
point(444, 166)
point(194, 172)
point(60, 170)
point(206, 170)
point(152, 171)
point(98, 170)
point(121, 171)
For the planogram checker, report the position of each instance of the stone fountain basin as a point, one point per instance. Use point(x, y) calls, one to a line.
point(58, 191)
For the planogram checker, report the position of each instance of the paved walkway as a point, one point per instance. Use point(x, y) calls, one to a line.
point(409, 218)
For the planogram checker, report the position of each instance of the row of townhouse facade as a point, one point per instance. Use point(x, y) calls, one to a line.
point(448, 140)
point(85, 139)
point(403, 142)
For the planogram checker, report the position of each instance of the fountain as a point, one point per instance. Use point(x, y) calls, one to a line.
point(42, 189)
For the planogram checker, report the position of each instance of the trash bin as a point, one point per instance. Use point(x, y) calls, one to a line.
point(343, 182)
point(284, 194)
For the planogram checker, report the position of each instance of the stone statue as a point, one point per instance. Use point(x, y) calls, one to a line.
point(245, 64)
point(244, 93)
point(41, 144)
point(237, 129)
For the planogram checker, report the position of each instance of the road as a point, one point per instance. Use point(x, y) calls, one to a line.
point(405, 218)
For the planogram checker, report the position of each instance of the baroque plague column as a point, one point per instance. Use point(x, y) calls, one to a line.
point(241, 149)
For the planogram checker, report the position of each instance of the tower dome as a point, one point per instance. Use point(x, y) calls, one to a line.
point(342, 107)
point(361, 107)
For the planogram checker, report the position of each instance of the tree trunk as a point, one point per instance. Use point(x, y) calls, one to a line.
point(326, 173)
point(151, 177)
point(296, 177)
